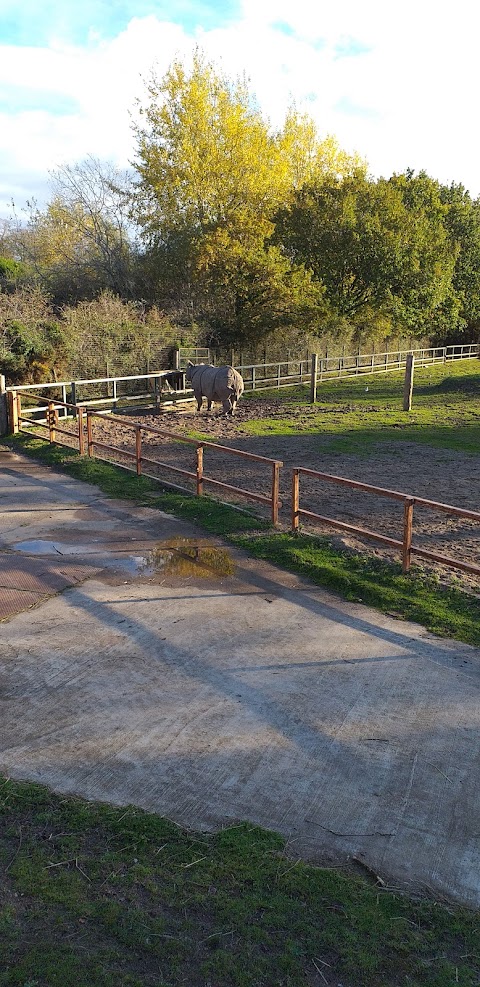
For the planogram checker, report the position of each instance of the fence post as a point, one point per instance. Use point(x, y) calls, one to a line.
point(81, 437)
point(313, 378)
point(52, 416)
point(73, 397)
point(408, 383)
point(138, 449)
point(90, 448)
point(3, 406)
point(157, 387)
point(253, 378)
point(199, 471)
point(407, 533)
point(275, 491)
point(176, 359)
point(14, 411)
point(295, 499)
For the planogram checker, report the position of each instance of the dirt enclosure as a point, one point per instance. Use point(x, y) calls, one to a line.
point(443, 475)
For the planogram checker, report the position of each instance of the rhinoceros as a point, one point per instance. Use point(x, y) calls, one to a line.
point(221, 384)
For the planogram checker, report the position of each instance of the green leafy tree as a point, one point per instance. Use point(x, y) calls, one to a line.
point(462, 220)
point(379, 247)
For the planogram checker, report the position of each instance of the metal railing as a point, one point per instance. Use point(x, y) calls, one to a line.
point(81, 436)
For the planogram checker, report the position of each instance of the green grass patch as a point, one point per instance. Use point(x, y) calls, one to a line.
point(98, 896)
point(361, 412)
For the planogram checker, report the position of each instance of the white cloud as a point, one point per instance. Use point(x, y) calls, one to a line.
point(407, 98)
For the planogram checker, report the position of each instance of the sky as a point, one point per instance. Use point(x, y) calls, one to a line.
point(396, 82)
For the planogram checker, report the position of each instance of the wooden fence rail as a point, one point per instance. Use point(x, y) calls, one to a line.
point(85, 420)
point(114, 391)
point(85, 417)
point(404, 545)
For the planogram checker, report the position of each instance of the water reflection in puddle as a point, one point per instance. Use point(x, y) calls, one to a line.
point(185, 557)
point(39, 547)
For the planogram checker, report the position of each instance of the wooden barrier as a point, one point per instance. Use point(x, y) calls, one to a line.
point(405, 543)
point(199, 475)
point(257, 377)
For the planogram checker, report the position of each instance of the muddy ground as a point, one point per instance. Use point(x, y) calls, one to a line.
point(442, 475)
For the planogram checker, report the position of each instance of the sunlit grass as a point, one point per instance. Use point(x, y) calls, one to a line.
point(368, 410)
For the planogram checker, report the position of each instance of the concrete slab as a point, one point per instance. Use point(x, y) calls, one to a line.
point(190, 680)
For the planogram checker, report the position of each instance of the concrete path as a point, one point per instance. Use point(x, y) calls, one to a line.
point(143, 662)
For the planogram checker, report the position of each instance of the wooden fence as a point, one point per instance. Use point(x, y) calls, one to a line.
point(86, 419)
point(82, 434)
point(153, 390)
point(405, 544)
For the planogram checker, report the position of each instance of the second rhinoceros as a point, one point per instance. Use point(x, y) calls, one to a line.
point(223, 385)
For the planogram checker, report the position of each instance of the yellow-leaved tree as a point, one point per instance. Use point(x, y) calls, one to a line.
point(211, 176)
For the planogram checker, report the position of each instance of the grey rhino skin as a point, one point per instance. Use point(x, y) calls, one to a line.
point(221, 384)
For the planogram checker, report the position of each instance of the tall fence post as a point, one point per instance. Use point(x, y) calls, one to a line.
point(295, 499)
point(73, 397)
point(3, 406)
point(275, 491)
point(313, 378)
point(52, 416)
point(157, 387)
point(81, 436)
point(199, 471)
point(14, 411)
point(407, 533)
point(90, 449)
point(138, 449)
point(408, 383)
point(176, 359)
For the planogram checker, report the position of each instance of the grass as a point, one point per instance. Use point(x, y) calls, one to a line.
point(98, 896)
point(363, 412)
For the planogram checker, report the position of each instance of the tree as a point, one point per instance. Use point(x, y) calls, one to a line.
point(210, 177)
point(82, 242)
point(379, 247)
point(462, 220)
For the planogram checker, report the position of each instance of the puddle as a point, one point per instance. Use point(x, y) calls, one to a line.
point(180, 557)
point(186, 557)
point(40, 547)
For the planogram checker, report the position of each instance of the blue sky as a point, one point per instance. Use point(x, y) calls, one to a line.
point(35, 22)
point(396, 83)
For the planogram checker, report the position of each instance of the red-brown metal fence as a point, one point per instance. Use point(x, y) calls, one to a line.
point(51, 424)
